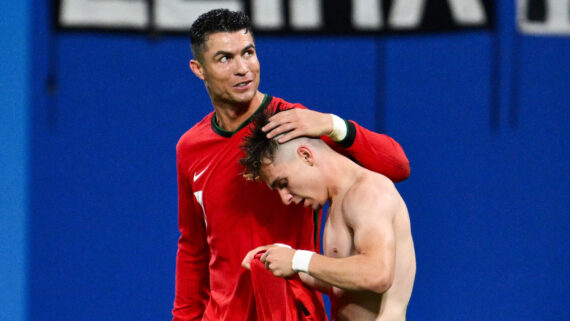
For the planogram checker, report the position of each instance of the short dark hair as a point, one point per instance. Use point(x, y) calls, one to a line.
point(256, 145)
point(217, 20)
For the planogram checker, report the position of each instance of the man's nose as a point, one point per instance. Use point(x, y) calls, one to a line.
point(241, 66)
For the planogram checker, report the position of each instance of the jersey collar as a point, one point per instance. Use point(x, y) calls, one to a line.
point(224, 133)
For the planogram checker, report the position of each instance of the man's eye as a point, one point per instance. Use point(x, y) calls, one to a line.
point(249, 53)
point(224, 59)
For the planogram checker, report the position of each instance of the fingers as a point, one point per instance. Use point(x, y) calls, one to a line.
point(286, 119)
point(287, 128)
point(273, 263)
point(266, 258)
point(246, 263)
point(276, 258)
point(263, 258)
point(297, 122)
point(271, 267)
point(277, 120)
point(290, 135)
point(278, 126)
point(270, 126)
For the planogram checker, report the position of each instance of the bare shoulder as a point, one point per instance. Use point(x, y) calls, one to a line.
point(371, 194)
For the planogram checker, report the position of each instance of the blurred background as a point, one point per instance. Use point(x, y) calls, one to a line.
point(95, 94)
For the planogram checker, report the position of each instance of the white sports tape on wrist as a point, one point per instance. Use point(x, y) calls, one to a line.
point(339, 131)
point(301, 260)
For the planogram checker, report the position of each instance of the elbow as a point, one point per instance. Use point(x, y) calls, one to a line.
point(402, 173)
point(403, 165)
point(406, 169)
point(381, 283)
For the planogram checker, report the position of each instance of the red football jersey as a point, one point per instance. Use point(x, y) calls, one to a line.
point(222, 216)
point(280, 299)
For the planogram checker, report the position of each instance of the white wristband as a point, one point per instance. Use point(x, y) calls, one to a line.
point(301, 260)
point(339, 129)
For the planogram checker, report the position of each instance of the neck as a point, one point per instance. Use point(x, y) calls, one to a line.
point(230, 116)
point(340, 174)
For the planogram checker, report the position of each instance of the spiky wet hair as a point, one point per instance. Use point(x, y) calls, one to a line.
point(256, 146)
point(217, 20)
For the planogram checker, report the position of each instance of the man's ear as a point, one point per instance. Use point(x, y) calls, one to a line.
point(306, 155)
point(197, 68)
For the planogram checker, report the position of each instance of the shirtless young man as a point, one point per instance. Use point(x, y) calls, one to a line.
point(369, 264)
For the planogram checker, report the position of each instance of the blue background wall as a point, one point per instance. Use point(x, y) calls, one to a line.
point(482, 116)
point(14, 151)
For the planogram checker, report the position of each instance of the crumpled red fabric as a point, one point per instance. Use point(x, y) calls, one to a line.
point(284, 299)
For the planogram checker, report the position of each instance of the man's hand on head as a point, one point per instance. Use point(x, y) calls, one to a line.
point(298, 122)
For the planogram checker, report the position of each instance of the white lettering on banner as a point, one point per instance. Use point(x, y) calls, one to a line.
point(467, 12)
point(269, 15)
point(408, 14)
point(180, 14)
point(110, 13)
point(367, 14)
point(306, 14)
point(556, 18)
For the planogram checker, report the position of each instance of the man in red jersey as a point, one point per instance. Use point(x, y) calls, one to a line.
point(221, 215)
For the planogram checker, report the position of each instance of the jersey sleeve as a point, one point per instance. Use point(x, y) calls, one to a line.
point(377, 152)
point(192, 278)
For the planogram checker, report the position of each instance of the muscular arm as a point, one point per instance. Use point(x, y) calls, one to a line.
point(377, 152)
point(192, 289)
point(315, 283)
point(369, 213)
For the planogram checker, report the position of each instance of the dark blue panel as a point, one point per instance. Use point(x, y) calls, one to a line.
point(106, 227)
point(488, 209)
point(332, 74)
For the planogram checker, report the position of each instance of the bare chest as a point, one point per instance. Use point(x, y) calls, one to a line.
point(337, 236)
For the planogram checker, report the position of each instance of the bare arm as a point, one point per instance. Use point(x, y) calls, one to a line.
point(315, 283)
point(369, 212)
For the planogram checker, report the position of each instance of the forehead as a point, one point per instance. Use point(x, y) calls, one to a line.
point(228, 41)
point(267, 171)
point(271, 170)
